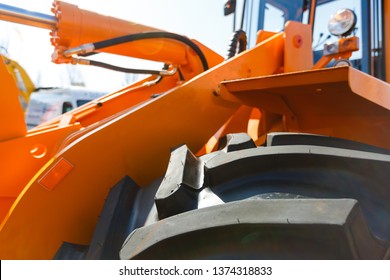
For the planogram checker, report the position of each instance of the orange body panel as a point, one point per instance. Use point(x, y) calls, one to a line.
point(11, 112)
point(32, 150)
point(105, 155)
point(341, 102)
point(236, 123)
point(298, 53)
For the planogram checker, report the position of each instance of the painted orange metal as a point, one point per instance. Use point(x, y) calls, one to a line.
point(298, 54)
point(21, 154)
point(30, 151)
point(238, 122)
point(263, 35)
point(24, 156)
point(118, 101)
point(76, 27)
point(104, 155)
point(11, 112)
point(346, 47)
point(74, 160)
point(341, 102)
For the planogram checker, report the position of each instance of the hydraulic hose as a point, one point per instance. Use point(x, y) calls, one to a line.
point(163, 72)
point(90, 48)
point(122, 69)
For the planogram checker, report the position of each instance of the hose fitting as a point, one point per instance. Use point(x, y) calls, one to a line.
point(83, 49)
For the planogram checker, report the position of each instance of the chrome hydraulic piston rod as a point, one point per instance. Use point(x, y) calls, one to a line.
point(22, 16)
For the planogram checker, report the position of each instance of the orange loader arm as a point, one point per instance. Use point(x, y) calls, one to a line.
point(36, 147)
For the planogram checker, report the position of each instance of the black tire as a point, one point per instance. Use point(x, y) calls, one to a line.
point(299, 197)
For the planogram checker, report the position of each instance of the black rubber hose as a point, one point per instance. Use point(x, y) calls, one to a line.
point(122, 69)
point(153, 35)
point(238, 43)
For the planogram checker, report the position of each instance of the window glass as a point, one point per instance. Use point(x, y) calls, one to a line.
point(274, 18)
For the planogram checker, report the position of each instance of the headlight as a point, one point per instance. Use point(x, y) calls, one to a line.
point(342, 23)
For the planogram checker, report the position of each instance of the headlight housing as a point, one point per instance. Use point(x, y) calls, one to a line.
point(342, 23)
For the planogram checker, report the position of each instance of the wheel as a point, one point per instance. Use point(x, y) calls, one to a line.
point(298, 197)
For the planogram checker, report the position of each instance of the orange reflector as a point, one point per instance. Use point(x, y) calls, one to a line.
point(58, 172)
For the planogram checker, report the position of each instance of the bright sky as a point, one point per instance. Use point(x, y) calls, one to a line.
point(200, 19)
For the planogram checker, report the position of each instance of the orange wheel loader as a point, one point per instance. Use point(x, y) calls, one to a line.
point(281, 150)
